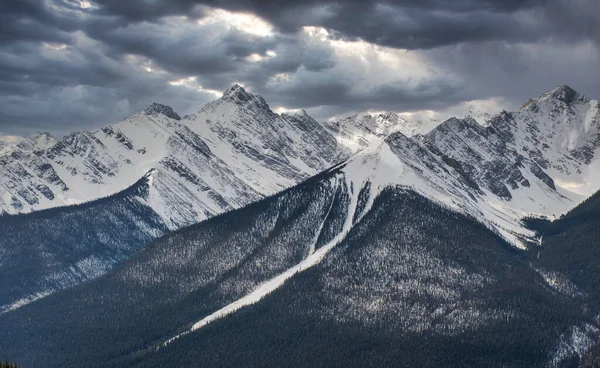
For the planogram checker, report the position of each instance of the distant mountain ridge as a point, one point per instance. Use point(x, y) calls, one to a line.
point(267, 152)
point(234, 151)
point(220, 158)
point(539, 161)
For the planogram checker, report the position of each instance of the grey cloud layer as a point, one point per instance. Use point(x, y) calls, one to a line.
point(64, 66)
point(411, 24)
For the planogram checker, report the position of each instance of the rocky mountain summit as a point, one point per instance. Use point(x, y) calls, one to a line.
point(236, 150)
point(233, 151)
point(156, 108)
point(540, 161)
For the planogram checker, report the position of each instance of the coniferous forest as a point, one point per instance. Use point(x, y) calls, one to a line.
point(412, 284)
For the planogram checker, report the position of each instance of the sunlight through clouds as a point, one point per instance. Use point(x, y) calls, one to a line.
point(241, 21)
point(192, 83)
point(331, 58)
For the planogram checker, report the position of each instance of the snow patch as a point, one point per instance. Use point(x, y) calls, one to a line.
point(273, 284)
point(24, 301)
point(574, 343)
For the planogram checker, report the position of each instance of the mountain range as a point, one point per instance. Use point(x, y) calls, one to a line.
point(367, 241)
point(233, 151)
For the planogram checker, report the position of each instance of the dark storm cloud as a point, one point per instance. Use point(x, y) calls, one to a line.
point(86, 67)
point(325, 98)
point(519, 71)
point(66, 63)
point(189, 51)
point(28, 20)
point(411, 24)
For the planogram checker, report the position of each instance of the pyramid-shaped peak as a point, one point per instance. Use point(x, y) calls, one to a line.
point(563, 88)
point(156, 108)
point(457, 124)
point(234, 90)
point(565, 94)
point(237, 95)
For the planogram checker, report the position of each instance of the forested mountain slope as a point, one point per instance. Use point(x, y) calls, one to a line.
point(347, 268)
point(413, 284)
point(50, 250)
point(568, 256)
point(177, 278)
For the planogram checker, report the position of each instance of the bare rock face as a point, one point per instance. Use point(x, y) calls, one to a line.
point(553, 136)
point(156, 108)
point(235, 150)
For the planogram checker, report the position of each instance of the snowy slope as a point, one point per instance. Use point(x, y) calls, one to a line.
point(231, 153)
point(540, 160)
point(234, 151)
point(337, 251)
point(560, 131)
point(477, 174)
point(359, 131)
point(396, 162)
point(268, 151)
point(405, 162)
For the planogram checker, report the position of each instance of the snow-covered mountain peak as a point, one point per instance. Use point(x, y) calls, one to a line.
point(359, 131)
point(233, 90)
point(238, 95)
point(541, 160)
point(156, 108)
point(457, 123)
point(236, 150)
point(384, 124)
point(38, 141)
point(232, 152)
point(43, 140)
point(565, 94)
point(235, 102)
point(464, 169)
point(560, 129)
point(559, 97)
point(301, 114)
point(281, 149)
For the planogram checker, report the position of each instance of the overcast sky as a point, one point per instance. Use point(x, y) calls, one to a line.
point(79, 64)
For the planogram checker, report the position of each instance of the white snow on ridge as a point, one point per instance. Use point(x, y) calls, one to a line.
point(381, 167)
point(232, 152)
point(236, 150)
point(360, 131)
point(405, 162)
point(557, 130)
point(562, 132)
point(314, 258)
